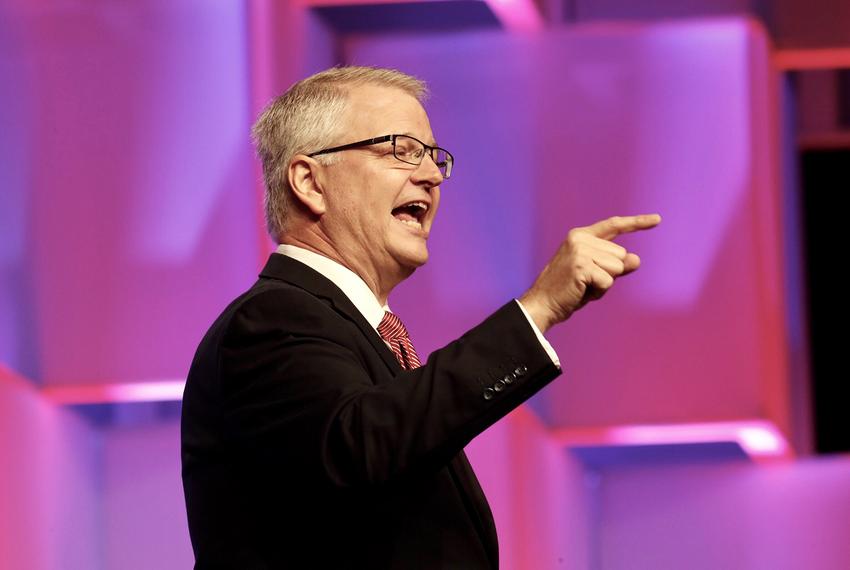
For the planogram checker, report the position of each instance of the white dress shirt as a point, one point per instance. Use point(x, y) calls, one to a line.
point(364, 299)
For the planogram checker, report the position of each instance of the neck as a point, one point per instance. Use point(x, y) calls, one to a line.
point(380, 285)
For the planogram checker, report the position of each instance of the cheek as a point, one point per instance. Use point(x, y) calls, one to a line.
point(374, 218)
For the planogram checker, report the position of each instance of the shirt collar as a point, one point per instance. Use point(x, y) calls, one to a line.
point(349, 282)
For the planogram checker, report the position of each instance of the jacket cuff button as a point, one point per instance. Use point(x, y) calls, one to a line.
point(488, 393)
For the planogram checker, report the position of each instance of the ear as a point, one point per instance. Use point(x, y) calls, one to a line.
point(303, 179)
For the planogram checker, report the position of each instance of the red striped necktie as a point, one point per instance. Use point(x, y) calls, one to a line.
point(392, 330)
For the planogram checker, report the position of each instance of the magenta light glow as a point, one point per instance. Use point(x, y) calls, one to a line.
point(762, 440)
point(758, 438)
point(517, 15)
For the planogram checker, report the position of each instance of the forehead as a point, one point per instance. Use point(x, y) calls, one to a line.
point(375, 110)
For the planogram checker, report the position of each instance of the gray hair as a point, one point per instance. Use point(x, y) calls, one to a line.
point(306, 118)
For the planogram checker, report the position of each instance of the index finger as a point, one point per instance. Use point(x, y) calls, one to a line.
point(616, 225)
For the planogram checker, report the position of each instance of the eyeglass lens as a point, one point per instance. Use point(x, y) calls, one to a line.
point(410, 150)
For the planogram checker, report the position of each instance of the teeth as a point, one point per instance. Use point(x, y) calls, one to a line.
point(422, 205)
point(411, 223)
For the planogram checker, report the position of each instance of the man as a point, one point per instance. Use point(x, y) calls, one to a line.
point(312, 436)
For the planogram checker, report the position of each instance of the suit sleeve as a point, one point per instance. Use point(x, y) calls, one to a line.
point(297, 393)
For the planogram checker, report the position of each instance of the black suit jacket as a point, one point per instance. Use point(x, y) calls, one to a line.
point(305, 445)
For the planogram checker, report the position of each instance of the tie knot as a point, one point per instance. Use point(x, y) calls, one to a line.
point(395, 334)
point(391, 328)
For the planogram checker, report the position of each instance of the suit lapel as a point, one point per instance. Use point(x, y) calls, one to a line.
point(294, 272)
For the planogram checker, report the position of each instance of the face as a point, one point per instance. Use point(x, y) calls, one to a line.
point(369, 194)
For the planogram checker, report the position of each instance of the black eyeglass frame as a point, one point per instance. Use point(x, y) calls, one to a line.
point(450, 159)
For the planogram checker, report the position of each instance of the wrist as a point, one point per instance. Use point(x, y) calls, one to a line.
point(538, 312)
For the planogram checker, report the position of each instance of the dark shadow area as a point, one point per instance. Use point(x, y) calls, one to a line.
point(596, 457)
point(129, 414)
point(461, 15)
point(825, 177)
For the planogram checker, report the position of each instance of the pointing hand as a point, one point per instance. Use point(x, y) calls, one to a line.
point(583, 269)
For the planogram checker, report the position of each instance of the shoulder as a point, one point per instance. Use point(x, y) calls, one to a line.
point(272, 315)
point(276, 304)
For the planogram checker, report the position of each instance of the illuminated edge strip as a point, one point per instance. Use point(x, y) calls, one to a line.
point(514, 15)
point(817, 58)
point(156, 391)
point(758, 438)
point(332, 3)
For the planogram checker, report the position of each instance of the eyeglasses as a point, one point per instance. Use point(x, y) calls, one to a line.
point(406, 149)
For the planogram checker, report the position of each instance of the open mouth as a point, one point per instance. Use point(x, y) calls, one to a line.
point(411, 214)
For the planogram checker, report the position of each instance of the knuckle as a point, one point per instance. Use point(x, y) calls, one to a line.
point(572, 243)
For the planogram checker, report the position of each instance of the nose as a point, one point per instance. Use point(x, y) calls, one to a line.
point(427, 172)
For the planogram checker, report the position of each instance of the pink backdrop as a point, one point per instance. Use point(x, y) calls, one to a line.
point(129, 216)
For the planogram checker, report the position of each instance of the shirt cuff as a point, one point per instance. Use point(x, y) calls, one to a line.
point(543, 342)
